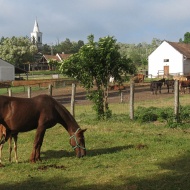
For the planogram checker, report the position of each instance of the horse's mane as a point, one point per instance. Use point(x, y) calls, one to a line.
point(66, 116)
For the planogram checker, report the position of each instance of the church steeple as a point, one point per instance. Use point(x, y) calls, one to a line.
point(36, 35)
point(36, 27)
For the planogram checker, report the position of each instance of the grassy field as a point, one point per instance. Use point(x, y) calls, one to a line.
point(121, 154)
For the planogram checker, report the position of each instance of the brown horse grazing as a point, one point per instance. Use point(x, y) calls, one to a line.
point(2, 140)
point(41, 112)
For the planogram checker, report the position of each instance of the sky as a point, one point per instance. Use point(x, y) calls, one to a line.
point(129, 21)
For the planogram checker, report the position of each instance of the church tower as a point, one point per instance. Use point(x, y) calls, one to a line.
point(36, 35)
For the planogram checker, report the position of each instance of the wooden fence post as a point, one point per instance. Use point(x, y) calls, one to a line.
point(131, 101)
point(29, 92)
point(176, 100)
point(50, 89)
point(121, 97)
point(10, 92)
point(73, 99)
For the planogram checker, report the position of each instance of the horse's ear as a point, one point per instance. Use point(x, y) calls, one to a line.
point(83, 130)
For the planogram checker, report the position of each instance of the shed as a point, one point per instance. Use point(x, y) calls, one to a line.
point(170, 58)
point(7, 71)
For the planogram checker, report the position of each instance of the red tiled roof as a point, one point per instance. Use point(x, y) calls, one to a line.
point(63, 56)
point(58, 57)
point(51, 57)
point(182, 48)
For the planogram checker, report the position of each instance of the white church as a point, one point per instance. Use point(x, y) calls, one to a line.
point(36, 35)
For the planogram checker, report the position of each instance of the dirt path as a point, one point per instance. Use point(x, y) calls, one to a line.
point(63, 95)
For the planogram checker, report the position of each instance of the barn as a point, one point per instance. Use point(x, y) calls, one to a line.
point(170, 58)
point(7, 71)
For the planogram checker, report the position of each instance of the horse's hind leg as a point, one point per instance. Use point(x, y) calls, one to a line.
point(35, 156)
point(15, 137)
point(10, 148)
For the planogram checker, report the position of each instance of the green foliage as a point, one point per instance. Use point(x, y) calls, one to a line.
point(97, 98)
point(143, 114)
point(17, 50)
point(68, 47)
point(54, 65)
point(95, 63)
point(139, 53)
point(187, 38)
point(150, 114)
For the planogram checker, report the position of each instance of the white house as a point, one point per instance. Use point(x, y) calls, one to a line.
point(7, 71)
point(170, 58)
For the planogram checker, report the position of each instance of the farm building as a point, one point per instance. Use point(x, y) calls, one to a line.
point(170, 58)
point(7, 71)
point(43, 63)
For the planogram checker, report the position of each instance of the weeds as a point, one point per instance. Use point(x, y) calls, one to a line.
point(151, 114)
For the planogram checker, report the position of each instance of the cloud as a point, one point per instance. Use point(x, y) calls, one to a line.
point(129, 21)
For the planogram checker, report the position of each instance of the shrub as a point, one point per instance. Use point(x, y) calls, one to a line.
point(150, 114)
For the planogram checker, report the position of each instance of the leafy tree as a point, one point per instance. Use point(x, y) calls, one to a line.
point(17, 50)
point(68, 47)
point(139, 53)
point(187, 38)
point(93, 65)
point(47, 49)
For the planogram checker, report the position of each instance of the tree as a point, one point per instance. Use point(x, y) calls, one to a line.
point(187, 38)
point(139, 53)
point(93, 65)
point(68, 47)
point(17, 50)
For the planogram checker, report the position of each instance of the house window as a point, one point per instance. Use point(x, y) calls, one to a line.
point(166, 60)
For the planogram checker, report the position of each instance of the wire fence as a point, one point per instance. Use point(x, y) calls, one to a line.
point(119, 100)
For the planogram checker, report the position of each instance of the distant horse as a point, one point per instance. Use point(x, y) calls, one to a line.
point(2, 140)
point(40, 113)
point(157, 85)
point(138, 78)
point(170, 83)
point(183, 85)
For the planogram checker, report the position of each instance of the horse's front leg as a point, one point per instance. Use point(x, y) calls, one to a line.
point(35, 156)
point(156, 89)
point(160, 89)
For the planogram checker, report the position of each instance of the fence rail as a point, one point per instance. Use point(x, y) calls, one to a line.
point(124, 101)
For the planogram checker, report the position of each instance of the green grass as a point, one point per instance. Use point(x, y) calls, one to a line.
point(121, 154)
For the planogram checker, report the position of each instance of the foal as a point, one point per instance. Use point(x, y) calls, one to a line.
point(2, 141)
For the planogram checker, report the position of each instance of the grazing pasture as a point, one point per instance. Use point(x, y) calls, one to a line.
point(121, 154)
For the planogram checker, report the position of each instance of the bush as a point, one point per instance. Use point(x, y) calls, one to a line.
point(150, 114)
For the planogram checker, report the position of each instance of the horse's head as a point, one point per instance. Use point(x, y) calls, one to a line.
point(78, 143)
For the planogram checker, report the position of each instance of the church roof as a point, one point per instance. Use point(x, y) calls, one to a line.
point(36, 27)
